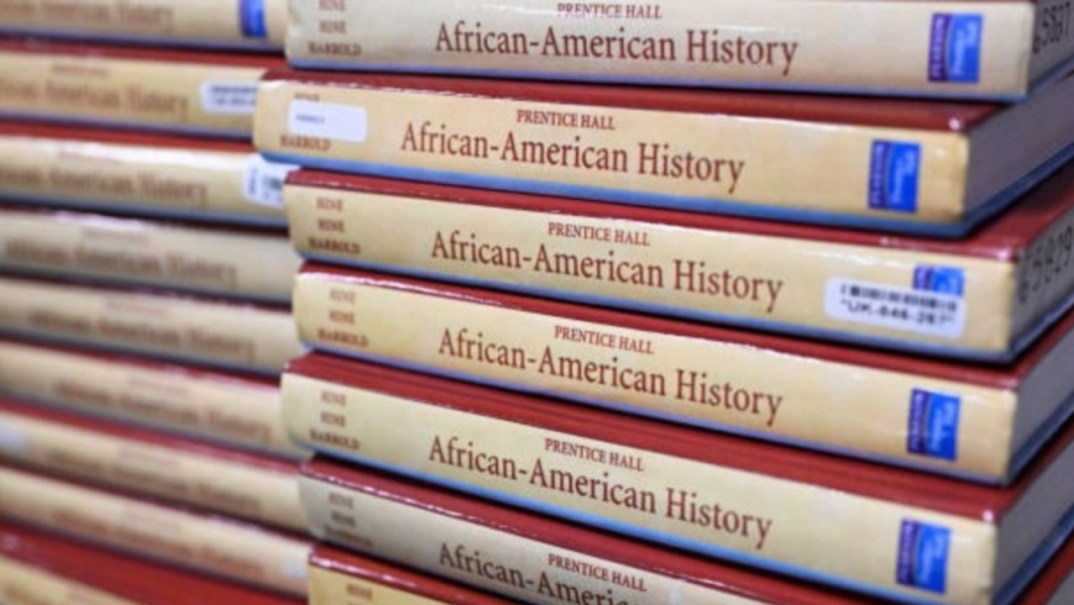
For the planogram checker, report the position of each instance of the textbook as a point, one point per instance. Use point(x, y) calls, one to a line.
point(941, 48)
point(932, 167)
point(944, 416)
point(940, 546)
point(246, 264)
point(37, 568)
point(237, 551)
point(988, 295)
point(222, 334)
point(256, 25)
point(228, 409)
point(138, 173)
point(149, 464)
point(337, 576)
point(190, 92)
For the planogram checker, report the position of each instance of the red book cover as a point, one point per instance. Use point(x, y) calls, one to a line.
point(986, 296)
point(893, 164)
point(954, 417)
point(151, 464)
point(192, 92)
point(127, 577)
point(141, 173)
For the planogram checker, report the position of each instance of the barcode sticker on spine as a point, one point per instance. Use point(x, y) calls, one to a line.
point(232, 98)
point(263, 181)
point(12, 439)
point(913, 310)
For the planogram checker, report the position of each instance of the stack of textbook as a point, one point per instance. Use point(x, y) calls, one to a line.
point(686, 302)
point(145, 281)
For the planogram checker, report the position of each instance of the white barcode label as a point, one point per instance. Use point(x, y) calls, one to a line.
point(295, 570)
point(263, 181)
point(328, 120)
point(908, 309)
point(12, 440)
point(235, 98)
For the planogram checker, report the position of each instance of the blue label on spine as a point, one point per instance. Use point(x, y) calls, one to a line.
point(923, 552)
point(955, 48)
point(252, 18)
point(943, 280)
point(893, 176)
point(932, 429)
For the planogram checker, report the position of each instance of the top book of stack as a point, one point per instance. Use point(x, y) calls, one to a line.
point(988, 49)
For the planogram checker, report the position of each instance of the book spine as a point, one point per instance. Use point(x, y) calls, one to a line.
point(235, 487)
point(240, 187)
point(329, 587)
point(242, 337)
point(855, 409)
point(699, 161)
point(237, 552)
point(517, 565)
point(256, 23)
point(187, 97)
point(1052, 36)
point(706, 274)
point(23, 584)
point(231, 412)
point(250, 266)
point(898, 47)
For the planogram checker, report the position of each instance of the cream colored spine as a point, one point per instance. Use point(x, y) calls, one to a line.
point(223, 548)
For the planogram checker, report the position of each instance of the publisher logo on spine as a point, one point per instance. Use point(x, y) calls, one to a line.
point(923, 553)
point(933, 424)
point(943, 280)
point(252, 18)
point(955, 48)
point(893, 176)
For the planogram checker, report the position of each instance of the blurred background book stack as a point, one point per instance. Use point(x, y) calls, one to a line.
point(146, 309)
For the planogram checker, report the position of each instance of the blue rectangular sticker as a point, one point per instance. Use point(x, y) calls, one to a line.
point(252, 18)
point(942, 280)
point(923, 554)
point(893, 176)
point(932, 428)
point(955, 48)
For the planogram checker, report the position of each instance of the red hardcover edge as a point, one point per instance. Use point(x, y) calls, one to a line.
point(953, 116)
point(87, 218)
point(79, 282)
point(1003, 238)
point(1003, 377)
point(874, 480)
point(340, 561)
point(115, 51)
point(43, 130)
point(126, 576)
point(199, 373)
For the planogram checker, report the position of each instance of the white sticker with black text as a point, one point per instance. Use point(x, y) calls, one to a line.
point(262, 181)
point(328, 120)
point(910, 309)
point(233, 98)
